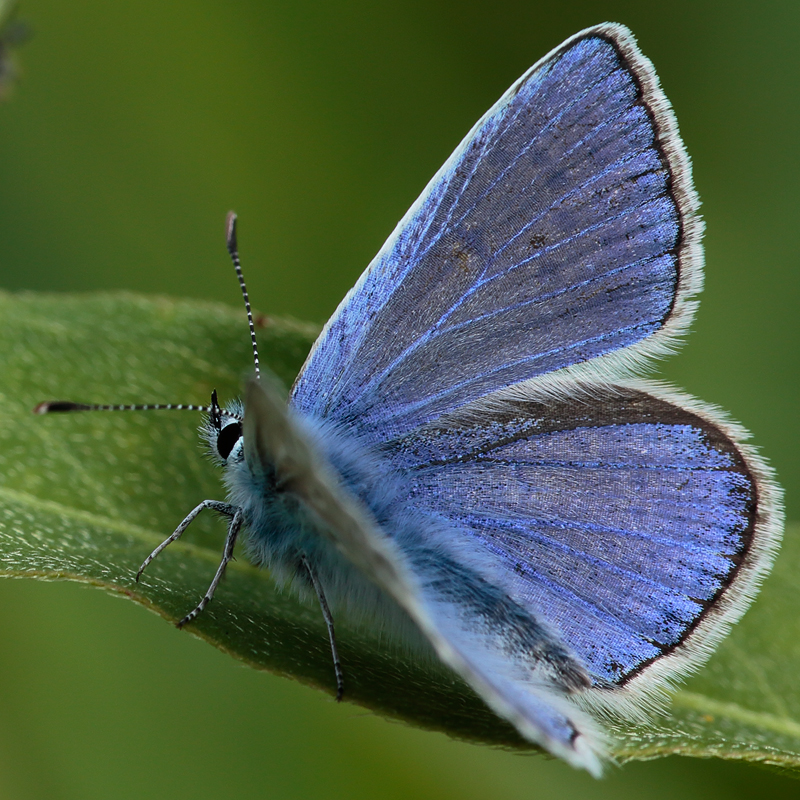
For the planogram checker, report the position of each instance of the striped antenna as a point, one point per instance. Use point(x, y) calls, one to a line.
point(61, 406)
point(230, 235)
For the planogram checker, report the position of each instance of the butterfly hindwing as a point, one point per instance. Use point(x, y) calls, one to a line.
point(635, 527)
point(562, 229)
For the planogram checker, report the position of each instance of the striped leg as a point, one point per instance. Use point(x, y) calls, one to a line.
point(233, 531)
point(216, 505)
point(328, 617)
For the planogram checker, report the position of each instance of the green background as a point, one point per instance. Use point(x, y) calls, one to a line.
point(137, 125)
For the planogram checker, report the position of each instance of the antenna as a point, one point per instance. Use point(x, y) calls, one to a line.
point(60, 406)
point(230, 235)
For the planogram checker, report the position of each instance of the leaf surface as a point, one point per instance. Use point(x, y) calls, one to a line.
point(87, 496)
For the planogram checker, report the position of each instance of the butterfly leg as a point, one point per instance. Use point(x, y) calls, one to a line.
point(227, 554)
point(223, 508)
point(328, 617)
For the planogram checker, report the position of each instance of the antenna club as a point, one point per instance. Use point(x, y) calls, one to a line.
point(230, 232)
point(50, 406)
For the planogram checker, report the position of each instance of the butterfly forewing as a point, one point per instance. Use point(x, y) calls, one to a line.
point(562, 229)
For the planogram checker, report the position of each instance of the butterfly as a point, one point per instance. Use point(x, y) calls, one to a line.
point(470, 456)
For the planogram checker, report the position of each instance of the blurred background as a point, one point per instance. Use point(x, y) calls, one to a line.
point(134, 127)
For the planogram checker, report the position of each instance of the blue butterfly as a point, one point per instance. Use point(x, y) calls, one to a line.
point(468, 456)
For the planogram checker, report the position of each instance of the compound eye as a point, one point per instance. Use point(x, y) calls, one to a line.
point(227, 439)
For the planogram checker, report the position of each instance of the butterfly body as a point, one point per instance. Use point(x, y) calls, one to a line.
point(459, 582)
point(281, 530)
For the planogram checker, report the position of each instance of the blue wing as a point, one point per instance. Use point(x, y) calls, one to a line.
point(624, 522)
point(562, 229)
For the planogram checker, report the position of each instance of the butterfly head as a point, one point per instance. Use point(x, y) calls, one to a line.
point(222, 431)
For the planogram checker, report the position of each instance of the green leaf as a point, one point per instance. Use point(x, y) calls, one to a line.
point(86, 498)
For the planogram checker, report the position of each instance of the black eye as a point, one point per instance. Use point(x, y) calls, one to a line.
point(227, 438)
